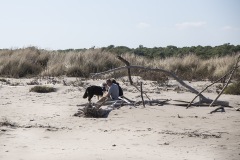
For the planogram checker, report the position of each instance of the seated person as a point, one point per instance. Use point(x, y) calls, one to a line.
point(112, 93)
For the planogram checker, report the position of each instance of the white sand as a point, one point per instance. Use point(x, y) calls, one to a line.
point(47, 129)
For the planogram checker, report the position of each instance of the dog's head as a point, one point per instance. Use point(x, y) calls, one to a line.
point(89, 93)
point(86, 93)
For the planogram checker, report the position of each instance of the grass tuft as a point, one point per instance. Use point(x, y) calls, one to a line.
point(7, 123)
point(43, 89)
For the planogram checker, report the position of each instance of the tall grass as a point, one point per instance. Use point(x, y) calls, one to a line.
point(23, 62)
point(32, 61)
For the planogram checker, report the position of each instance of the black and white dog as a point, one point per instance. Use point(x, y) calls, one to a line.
point(93, 90)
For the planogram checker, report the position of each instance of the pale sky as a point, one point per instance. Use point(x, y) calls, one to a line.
point(64, 24)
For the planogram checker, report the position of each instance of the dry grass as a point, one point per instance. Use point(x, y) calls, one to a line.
point(23, 62)
point(32, 61)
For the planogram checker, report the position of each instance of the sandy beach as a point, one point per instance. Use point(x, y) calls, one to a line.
point(37, 126)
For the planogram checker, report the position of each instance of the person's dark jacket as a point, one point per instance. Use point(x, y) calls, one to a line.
point(120, 89)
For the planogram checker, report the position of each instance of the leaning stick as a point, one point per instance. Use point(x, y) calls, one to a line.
point(234, 69)
point(189, 105)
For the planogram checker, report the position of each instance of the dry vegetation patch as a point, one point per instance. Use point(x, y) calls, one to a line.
point(7, 123)
point(43, 89)
point(234, 88)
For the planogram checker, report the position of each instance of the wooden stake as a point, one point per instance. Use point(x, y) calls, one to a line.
point(142, 96)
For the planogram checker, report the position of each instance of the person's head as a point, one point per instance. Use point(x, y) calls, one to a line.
point(114, 81)
point(109, 82)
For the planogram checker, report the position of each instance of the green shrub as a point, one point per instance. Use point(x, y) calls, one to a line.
point(42, 89)
point(233, 89)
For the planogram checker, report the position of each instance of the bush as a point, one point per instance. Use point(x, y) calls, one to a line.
point(7, 123)
point(75, 71)
point(3, 80)
point(233, 89)
point(42, 89)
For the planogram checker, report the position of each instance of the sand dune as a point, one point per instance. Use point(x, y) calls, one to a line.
point(42, 126)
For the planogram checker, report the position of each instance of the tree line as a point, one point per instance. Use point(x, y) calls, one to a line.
point(204, 52)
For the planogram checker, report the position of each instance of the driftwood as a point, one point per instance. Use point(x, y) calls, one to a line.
point(150, 102)
point(124, 102)
point(223, 77)
point(217, 109)
point(129, 75)
point(142, 96)
point(202, 99)
point(127, 64)
point(91, 111)
point(128, 67)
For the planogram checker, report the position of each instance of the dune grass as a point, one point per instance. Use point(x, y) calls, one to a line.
point(31, 61)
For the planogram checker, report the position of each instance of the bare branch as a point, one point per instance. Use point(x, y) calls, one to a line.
point(127, 64)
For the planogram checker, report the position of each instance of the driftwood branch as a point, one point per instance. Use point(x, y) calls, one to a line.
point(219, 108)
point(156, 70)
point(127, 64)
point(129, 74)
point(234, 69)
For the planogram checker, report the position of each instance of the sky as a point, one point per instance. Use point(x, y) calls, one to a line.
point(64, 24)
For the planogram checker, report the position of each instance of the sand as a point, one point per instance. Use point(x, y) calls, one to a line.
point(42, 125)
